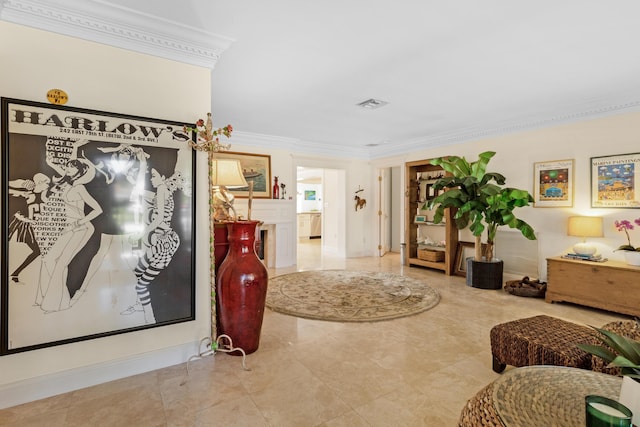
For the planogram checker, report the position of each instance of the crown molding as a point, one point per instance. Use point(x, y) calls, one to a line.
point(402, 148)
point(468, 134)
point(102, 22)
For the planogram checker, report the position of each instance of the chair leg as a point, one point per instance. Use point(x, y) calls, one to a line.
point(498, 366)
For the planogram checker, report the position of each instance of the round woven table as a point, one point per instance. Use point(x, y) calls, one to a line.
point(549, 395)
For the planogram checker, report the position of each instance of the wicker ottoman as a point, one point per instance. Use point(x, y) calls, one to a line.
point(480, 411)
point(540, 340)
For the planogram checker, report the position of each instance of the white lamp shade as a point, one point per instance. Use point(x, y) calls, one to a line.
point(585, 226)
point(228, 173)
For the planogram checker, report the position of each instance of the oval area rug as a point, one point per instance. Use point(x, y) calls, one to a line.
point(349, 296)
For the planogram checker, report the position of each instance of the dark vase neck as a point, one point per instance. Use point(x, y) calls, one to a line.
point(242, 234)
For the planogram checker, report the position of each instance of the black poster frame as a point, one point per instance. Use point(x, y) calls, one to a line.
point(98, 216)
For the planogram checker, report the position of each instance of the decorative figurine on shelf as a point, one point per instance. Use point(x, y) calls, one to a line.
point(282, 186)
point(360, 202)
point(276, 188)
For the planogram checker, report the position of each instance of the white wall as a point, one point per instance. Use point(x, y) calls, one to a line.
point(354, 236)
point(104, 78)
point(362, 225)
point(516, 154)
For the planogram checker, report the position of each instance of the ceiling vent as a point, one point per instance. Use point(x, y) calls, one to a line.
point(372, 104)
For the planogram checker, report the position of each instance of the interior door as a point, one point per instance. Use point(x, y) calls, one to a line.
point(384, 210)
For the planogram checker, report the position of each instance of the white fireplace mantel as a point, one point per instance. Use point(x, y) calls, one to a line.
point(279, 220)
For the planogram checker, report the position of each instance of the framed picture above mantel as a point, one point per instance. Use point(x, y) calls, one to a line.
point(615, 181)
point(256, 168)
point(98, 223)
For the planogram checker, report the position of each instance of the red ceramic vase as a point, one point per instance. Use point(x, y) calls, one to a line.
point(221, 244)
point(241, 287)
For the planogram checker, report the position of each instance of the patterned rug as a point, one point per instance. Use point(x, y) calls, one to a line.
point(349, 296)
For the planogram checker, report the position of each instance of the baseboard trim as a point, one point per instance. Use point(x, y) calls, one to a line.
point(74, 379)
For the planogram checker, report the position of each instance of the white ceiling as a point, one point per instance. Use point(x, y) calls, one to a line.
point(451, 71)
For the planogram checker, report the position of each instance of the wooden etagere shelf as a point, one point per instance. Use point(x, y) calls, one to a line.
point(420, 177)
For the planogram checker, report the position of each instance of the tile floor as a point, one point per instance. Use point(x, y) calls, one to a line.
point(413, 371)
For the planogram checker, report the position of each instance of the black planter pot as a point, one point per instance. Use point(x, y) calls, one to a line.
point(485, 275)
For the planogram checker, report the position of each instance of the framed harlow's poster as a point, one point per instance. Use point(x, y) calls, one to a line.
point(256, 168)
point(615, 181)
point(553, 184)
point(98, 219)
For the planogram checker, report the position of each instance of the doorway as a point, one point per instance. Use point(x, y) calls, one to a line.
point(320, 211)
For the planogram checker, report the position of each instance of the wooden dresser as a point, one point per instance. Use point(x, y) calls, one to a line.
point(610, 285)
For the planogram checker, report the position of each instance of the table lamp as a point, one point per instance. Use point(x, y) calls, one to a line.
point(225, 173)
point(585, 226)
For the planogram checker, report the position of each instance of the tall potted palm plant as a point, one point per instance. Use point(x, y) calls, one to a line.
point(481, 202)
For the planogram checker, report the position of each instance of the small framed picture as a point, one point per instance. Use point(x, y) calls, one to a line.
point(553, 184)
point(614, 181)
point(463, 251)
point(420, 218)
point(256, 168)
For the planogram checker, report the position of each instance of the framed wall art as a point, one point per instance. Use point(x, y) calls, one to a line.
point(615, 181)
point(420, 219)
point(464, 250)
point(98, 224)
point(553, 183)
point(256, 168)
